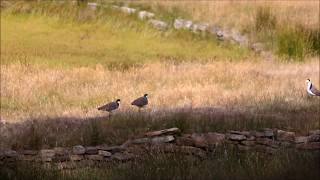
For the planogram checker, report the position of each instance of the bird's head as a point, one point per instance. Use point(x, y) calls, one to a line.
point(308, 81)
point(145, 95)
point(118, 101)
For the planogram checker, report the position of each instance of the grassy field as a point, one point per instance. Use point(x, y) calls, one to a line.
point(60, 62)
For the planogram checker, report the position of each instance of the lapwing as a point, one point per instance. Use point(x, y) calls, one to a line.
point(110, 106)
point(311, 89)
point(141, 101)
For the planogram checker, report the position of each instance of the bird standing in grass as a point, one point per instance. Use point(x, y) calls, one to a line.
point(110, 106)
point(141, 101)
point(311, 89)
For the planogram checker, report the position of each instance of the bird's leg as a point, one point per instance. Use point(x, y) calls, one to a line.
point(109, 115)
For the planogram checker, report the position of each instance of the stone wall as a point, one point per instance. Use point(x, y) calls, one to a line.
point(166, 141)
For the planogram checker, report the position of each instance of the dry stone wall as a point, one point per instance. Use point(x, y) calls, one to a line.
point(166, 141)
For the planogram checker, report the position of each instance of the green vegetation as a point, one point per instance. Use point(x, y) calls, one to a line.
point(62, 35)
point(291, 41)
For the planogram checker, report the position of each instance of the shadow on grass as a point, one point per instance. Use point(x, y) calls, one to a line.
point(68, 131)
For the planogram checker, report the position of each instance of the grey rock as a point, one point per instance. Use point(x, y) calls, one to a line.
point(76, 157)
point(199, 140)
point(47, 155)
point(268, 133)
point(162, 139)
point(145, 15)
point(92, 5)
point(128, 10)
point(158, 24)
point(163, 132)
point(245, 133)
point(301, 139)
point(182, 24)
point(203, 27)
point(10, 154)
point(78, 149)
point(314, 138)
point(285, 136)
point(237, 137)
point(91, 150)
point(239, 38)
point(104, 153)
point(112, 149)
point(60, 151)
point(214, 138)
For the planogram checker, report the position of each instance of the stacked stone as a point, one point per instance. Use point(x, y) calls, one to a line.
point(166, 141)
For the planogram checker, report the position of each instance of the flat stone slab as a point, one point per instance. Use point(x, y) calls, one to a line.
point(78, 150)
point(237, 137)
point(163, 132)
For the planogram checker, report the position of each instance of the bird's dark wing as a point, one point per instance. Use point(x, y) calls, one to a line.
point(315, 91)
point(141, 101)
point(109, 107)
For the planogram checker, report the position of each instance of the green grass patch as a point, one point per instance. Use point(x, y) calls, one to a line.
point(65, 36)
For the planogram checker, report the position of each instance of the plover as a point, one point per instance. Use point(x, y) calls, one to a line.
point(141, 101)
point(311, 89)
point(110, 106)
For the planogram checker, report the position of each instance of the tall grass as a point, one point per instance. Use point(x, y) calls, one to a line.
point(288, 164)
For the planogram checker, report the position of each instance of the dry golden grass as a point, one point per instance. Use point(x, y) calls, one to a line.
point(33, 91)
point(240, 14)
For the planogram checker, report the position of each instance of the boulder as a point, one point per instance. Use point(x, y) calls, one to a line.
point(214, 138)
point(237, 137)
point(112, 149)
point(60, 151)
point(10, 154)
point(245, 133)
point(200, 27)
point(92, 6)
point(182, 24)
point(158, 24)
point(145, 15)
point(300, 139)
point(314, 138)
point(91, 150)
point(104, 153)
point(128, 10)
point(47, 154)
point(163, 132)
point(199, 140)
point(185, 140)
point(78, 150)
point(162, 139)
point(285, 136)
point(76, 157)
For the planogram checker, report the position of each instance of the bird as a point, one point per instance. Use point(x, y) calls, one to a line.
point(141, 101)
point(109, 107)
point(311, 89)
